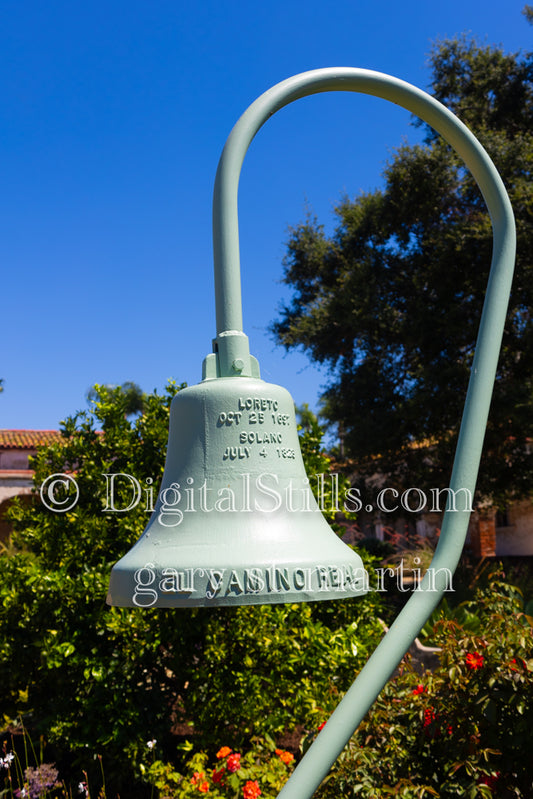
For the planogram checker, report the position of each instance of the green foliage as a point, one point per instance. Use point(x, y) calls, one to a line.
point(463, 615)
point(272, 668)
point(463, 730)
point(132, 396)
point(262, 771)
point(65, 655)
point(390, 303)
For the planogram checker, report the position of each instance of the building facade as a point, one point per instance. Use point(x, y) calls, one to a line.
point(16, 474)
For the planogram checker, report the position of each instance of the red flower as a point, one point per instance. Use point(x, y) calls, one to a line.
point(251, 790)
point(429, 716)
point(474, 661)
point(234, 763)
point(224, 752)
point(434, 725)
point(514, 664)
point(491, 780)
point(418, 690)
point(321, 726)
point(218, 775)
point(203, 787)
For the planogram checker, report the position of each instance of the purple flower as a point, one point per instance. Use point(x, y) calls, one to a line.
point(37, 781)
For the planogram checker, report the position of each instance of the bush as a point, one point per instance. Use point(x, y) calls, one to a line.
point(270, 669)
point(464, 730)
point(261, 772)
point(101, 680)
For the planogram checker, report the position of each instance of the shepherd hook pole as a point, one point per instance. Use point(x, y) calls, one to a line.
point(341, 725)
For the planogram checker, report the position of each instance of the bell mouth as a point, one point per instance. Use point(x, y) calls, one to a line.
point(169, 587)
point(237, 558)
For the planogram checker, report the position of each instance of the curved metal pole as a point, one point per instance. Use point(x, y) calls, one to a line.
point(377, 671)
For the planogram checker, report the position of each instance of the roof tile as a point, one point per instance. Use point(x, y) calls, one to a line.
point(28, 439)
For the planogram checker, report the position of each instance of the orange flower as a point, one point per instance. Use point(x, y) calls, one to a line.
point(285, 757)
point(203, 787)
point(224, 752)
point(251, 790)
point(196, 777)
point(474, 661)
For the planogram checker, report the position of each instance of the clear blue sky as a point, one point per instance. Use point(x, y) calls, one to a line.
point(113, 116)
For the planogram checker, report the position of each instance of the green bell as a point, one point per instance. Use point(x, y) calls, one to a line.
point(235, 522)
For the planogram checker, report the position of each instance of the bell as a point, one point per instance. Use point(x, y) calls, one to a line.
point(235, 522)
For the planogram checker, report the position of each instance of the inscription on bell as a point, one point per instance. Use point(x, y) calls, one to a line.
point(236, 453)
point(229, 418)
point(257, 404)
point(256, 437)
point(212, 583)
point(256, 421)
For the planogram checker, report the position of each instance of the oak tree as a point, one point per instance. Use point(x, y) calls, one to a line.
point(390, 303)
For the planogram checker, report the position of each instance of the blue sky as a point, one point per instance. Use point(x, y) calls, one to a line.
point(113, 116)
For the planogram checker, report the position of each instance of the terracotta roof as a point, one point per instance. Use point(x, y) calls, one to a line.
point(28, 439)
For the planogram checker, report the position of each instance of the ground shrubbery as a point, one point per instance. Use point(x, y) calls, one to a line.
point(461, 730)
point(95, 680)
point(147, 699)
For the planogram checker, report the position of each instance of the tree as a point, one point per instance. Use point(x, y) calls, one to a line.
point(390, 303)
point(132, 393)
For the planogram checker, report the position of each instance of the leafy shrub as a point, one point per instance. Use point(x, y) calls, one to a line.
point(464, 730)
point(463, 614)
point(261, 772)
point(270, 668)
point(65, 655)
